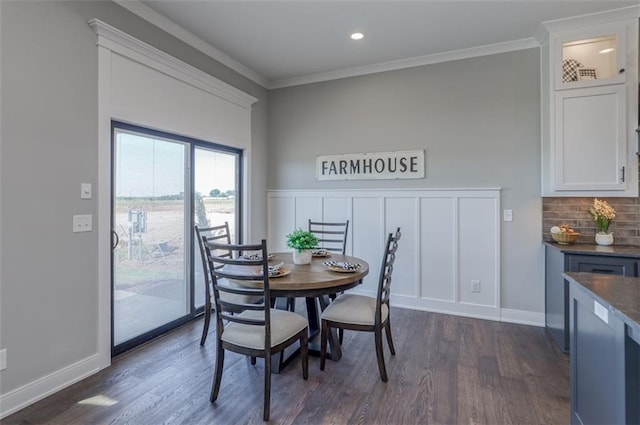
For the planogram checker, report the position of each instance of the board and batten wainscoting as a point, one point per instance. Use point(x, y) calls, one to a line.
point(449, 239)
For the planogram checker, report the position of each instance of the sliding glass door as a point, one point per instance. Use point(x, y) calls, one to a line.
point(216, 201)
point(150, 286)
point(157, 198)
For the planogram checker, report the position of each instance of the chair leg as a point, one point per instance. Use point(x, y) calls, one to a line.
point(380, 354)
point(304, 349)
point(267, 386)
point(207, 320)
point(387, 328)
point(218, 374)
point(323, 343)
point(340, 335)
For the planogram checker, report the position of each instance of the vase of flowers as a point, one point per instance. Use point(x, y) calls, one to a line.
point(302, 242)
point(602, 214)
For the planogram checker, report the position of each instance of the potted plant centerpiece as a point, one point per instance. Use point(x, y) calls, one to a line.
point(602, 213)
point(302, 242)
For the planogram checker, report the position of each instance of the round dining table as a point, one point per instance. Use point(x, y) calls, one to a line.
point(314, 281)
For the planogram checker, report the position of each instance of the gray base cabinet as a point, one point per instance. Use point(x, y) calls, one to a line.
point(557, 289)
point(597, 362)
point(605, 349)
point(632, 360)
point(556, 298)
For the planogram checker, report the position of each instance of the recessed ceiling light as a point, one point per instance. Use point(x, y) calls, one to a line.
point(608, 50)
point(357, 36)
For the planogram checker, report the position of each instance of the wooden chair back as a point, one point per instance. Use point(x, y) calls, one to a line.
point(386, 271)
point(331, 236)
point(218, 234)
point(247, 266)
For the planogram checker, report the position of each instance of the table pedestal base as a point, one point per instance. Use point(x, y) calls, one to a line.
point(334, 352)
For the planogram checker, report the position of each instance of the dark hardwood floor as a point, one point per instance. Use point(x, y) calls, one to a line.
point(448, 370)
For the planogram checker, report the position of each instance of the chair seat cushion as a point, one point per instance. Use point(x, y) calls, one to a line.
point(284, 325)
point(354, 309)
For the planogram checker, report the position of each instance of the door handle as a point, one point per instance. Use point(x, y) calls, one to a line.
point(114, 240)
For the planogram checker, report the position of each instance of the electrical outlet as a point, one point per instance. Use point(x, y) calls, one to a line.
point(3, 359)
point(82, 223)
point(475, 286)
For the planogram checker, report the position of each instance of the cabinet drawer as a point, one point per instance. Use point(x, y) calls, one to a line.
point(598, 264)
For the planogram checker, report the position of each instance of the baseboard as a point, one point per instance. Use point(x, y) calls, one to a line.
point(522, 317)
point(508, 315)
point(28, 394)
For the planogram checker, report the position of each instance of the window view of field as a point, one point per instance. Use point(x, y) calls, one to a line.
point(150, 256)
point(153, 221)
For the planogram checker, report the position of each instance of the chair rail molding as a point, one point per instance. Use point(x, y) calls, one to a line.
point(451, 239)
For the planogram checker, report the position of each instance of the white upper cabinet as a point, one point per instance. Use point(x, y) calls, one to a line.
point(590, 109)
point(590, 140)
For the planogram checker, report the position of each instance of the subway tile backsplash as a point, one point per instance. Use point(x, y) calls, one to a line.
point(575, 212)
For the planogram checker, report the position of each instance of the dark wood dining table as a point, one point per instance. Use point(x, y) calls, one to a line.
point(313, 282)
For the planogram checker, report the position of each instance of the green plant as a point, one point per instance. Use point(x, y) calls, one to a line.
point(602, 213)
point(300, 239)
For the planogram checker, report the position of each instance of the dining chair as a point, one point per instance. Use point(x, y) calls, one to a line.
point(331, 236)
point(258, 331)
point(364, 313)
point(219, 234)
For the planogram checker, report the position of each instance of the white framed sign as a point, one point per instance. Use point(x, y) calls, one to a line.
point(375, 165)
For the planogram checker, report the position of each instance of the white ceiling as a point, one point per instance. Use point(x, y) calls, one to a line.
point(279, 43)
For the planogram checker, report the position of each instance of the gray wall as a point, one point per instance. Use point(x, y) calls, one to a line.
point(48, 135)
point(478, 120)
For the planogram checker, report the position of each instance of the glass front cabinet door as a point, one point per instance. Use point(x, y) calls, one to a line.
point(590, 57)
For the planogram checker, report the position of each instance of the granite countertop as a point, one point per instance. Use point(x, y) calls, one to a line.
point(630, 251)
point(621, 293)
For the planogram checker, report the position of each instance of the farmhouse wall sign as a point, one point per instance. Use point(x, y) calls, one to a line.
point(375, 165)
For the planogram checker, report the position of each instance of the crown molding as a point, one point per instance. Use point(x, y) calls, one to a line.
point(453, 55)
point(539, 38)
point(153, 17)
point(629, 12)
point(122, 43)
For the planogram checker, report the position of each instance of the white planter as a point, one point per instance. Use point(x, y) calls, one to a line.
point(604, 238)
point(302, 257)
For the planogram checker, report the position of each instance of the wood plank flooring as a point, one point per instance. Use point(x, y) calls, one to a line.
point(447, 370)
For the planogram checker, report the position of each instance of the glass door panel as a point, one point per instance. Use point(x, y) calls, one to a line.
point(150, 201)
point(216, 187)
point(590, 59)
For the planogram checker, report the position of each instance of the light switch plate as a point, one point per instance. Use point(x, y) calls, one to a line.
point(85, 191)
point(82, 223)
point(3, 359)
point(507, 215)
